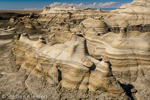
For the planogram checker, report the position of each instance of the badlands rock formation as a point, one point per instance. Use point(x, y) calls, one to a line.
point(132, 47)
point(67, 65)
point(127, 48)
point(121, 50)
point(91, 26)
point(58, 9)
point(60, 16)
point(133, 16)
point(81, 54)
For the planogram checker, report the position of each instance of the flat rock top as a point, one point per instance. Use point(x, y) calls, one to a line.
point(87, 62)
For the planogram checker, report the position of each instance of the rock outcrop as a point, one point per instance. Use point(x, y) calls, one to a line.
point(91, 26)
point(124, 50)
point(80, 54)
point(128, 52)
point(133, 16)
point(58, 9)
point(87, 13)
point(67, 64)
point(62, 16)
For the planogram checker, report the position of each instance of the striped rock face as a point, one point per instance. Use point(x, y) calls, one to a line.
point(98, 25)
point(67, 64)
point(134, 13)
point(125, 50)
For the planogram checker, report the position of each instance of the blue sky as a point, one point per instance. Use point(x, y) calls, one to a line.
point(39, 4)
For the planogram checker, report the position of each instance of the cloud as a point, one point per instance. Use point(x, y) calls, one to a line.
point(82, 6)
point(94, 5)
point(124, 4)
point(55, 4)
point(65, 4)
point(107, 5)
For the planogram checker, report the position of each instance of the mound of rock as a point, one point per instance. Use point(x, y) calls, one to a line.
point(133, 16)
point(67, 65)
point(126, 49)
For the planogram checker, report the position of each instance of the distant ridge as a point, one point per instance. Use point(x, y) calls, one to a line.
point(105, 8)
point(108, 8)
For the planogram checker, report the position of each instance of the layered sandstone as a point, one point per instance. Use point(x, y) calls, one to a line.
point(134, 14)
point(58, 9)
point(60, 16)
point(131, 49)
point(67, 64)
point(123, 49)
point(107, 52)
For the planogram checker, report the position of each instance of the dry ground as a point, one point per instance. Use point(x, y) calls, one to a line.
point(20, 11)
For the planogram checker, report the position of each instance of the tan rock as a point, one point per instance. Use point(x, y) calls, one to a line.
point(29, 26)
point(125, 46)
point(8, 27)
point(134, 13)
point(87, 62)
point(12, 20)
point(98, 25)
point(133, 90)
point(68, 63)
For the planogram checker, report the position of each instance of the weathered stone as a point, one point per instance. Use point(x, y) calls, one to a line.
point(87, 62)
point(70, 66)
point(133, 90)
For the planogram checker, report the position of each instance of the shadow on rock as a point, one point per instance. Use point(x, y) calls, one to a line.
point(129, 89)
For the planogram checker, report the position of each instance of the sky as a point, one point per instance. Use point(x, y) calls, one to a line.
point(79, 4)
